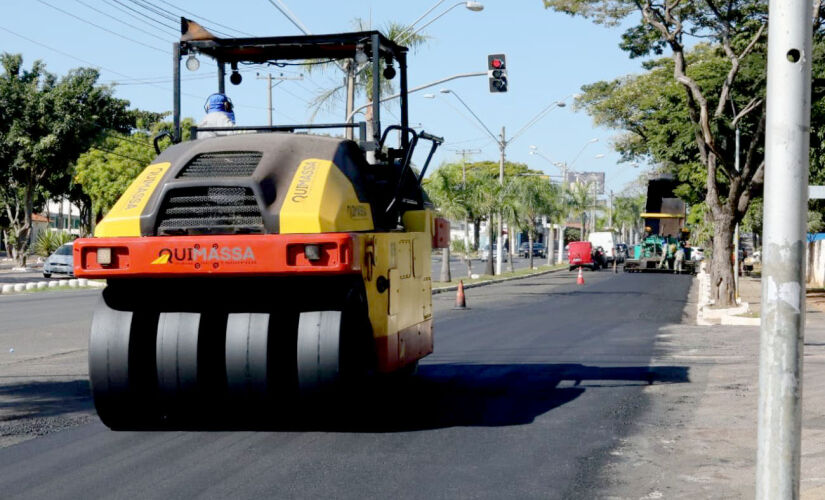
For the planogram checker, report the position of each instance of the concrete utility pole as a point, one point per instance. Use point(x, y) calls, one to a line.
point(464, 154)
point(502, 146)
point(783, 276)
point(560, 257)
point(269, 86)
point(610, 212)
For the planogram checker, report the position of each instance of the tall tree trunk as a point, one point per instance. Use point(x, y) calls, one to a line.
point(512, 241)
point(468, 261)
point(530, 247)
point(476, 233)
point(445, 265)
point(721, 270)
point(581, 234)
point(488, 266)
point(550, 246)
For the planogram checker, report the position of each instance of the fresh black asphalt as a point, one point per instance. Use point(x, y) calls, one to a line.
point(527, 393)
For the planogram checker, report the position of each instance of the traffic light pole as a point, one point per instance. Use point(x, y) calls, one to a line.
point(787, 139)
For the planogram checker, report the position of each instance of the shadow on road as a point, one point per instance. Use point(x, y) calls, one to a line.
point(440, 396)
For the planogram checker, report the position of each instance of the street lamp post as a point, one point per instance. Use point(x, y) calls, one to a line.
point(503, 142)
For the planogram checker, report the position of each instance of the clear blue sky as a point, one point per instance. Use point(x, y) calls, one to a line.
point(550, 56)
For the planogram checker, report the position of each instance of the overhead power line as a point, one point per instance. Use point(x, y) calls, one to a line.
point(81, 2)
point(136, 14)
point(146, 5)
point(198, 16)
point(97, 66)
point(101, 27)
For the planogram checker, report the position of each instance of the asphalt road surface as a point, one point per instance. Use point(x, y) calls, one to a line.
point(526, 395)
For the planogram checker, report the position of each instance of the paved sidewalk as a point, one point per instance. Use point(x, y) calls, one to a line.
point(699, 439)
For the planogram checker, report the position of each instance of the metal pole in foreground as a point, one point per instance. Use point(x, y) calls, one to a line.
point(783, 284)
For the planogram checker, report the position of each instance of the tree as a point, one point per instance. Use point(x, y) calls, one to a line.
point(627, 211)
point(580, 200)
point(363, 79)
point(105, 171)
point(535, 197)
point(45, 124)
point(715, 103)
point(451, 200)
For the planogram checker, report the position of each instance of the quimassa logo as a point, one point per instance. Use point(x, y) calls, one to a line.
point(214, 253)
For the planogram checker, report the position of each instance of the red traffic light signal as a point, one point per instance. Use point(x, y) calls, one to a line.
point(497, 72)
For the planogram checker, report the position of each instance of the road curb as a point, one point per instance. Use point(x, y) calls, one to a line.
point(453, 288)
point(76, 284)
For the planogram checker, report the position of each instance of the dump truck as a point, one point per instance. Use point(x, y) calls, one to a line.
point(266, 263)
point(665, 231)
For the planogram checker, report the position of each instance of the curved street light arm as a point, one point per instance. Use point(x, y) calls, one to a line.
point(539, 116)
point(499, 141)
point(415, 89)
point(412, 24)
point(591, 141)
point(410, 35)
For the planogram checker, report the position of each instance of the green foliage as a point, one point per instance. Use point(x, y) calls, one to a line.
point(363, 80)
point(752, 222)
point(580, 200)
point(815, 222)
point(45, 124)
point(534, 197)
point(627, 210)
point(106, 170)
point(457, 246)
point(701, 225)
point(49, 241)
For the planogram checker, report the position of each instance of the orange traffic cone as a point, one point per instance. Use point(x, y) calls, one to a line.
point(580, 279)
point(460, 301)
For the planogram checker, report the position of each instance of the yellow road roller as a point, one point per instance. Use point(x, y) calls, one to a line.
point(264, 263)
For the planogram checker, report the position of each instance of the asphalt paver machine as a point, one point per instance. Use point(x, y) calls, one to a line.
point(265, 263)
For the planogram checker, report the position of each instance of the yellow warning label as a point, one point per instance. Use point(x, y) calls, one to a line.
point(124, 218)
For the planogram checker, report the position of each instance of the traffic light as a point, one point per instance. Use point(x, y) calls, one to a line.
point(497, 72)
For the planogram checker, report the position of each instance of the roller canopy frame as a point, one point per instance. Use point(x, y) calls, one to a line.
point(277, 50)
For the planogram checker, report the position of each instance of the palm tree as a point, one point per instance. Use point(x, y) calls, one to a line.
point(450, 198)
point(536, 197)
point(484, 194)
point(580, 201)
point(363, 78)
point(627, 211)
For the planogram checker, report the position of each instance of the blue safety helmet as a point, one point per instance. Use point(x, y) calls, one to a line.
point(220, 103)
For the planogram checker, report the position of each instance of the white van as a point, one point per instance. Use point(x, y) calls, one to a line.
point(606, 240)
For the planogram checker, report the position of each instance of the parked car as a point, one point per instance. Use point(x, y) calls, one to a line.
point(697, 253)
point(60, 262)
point(538, 250)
